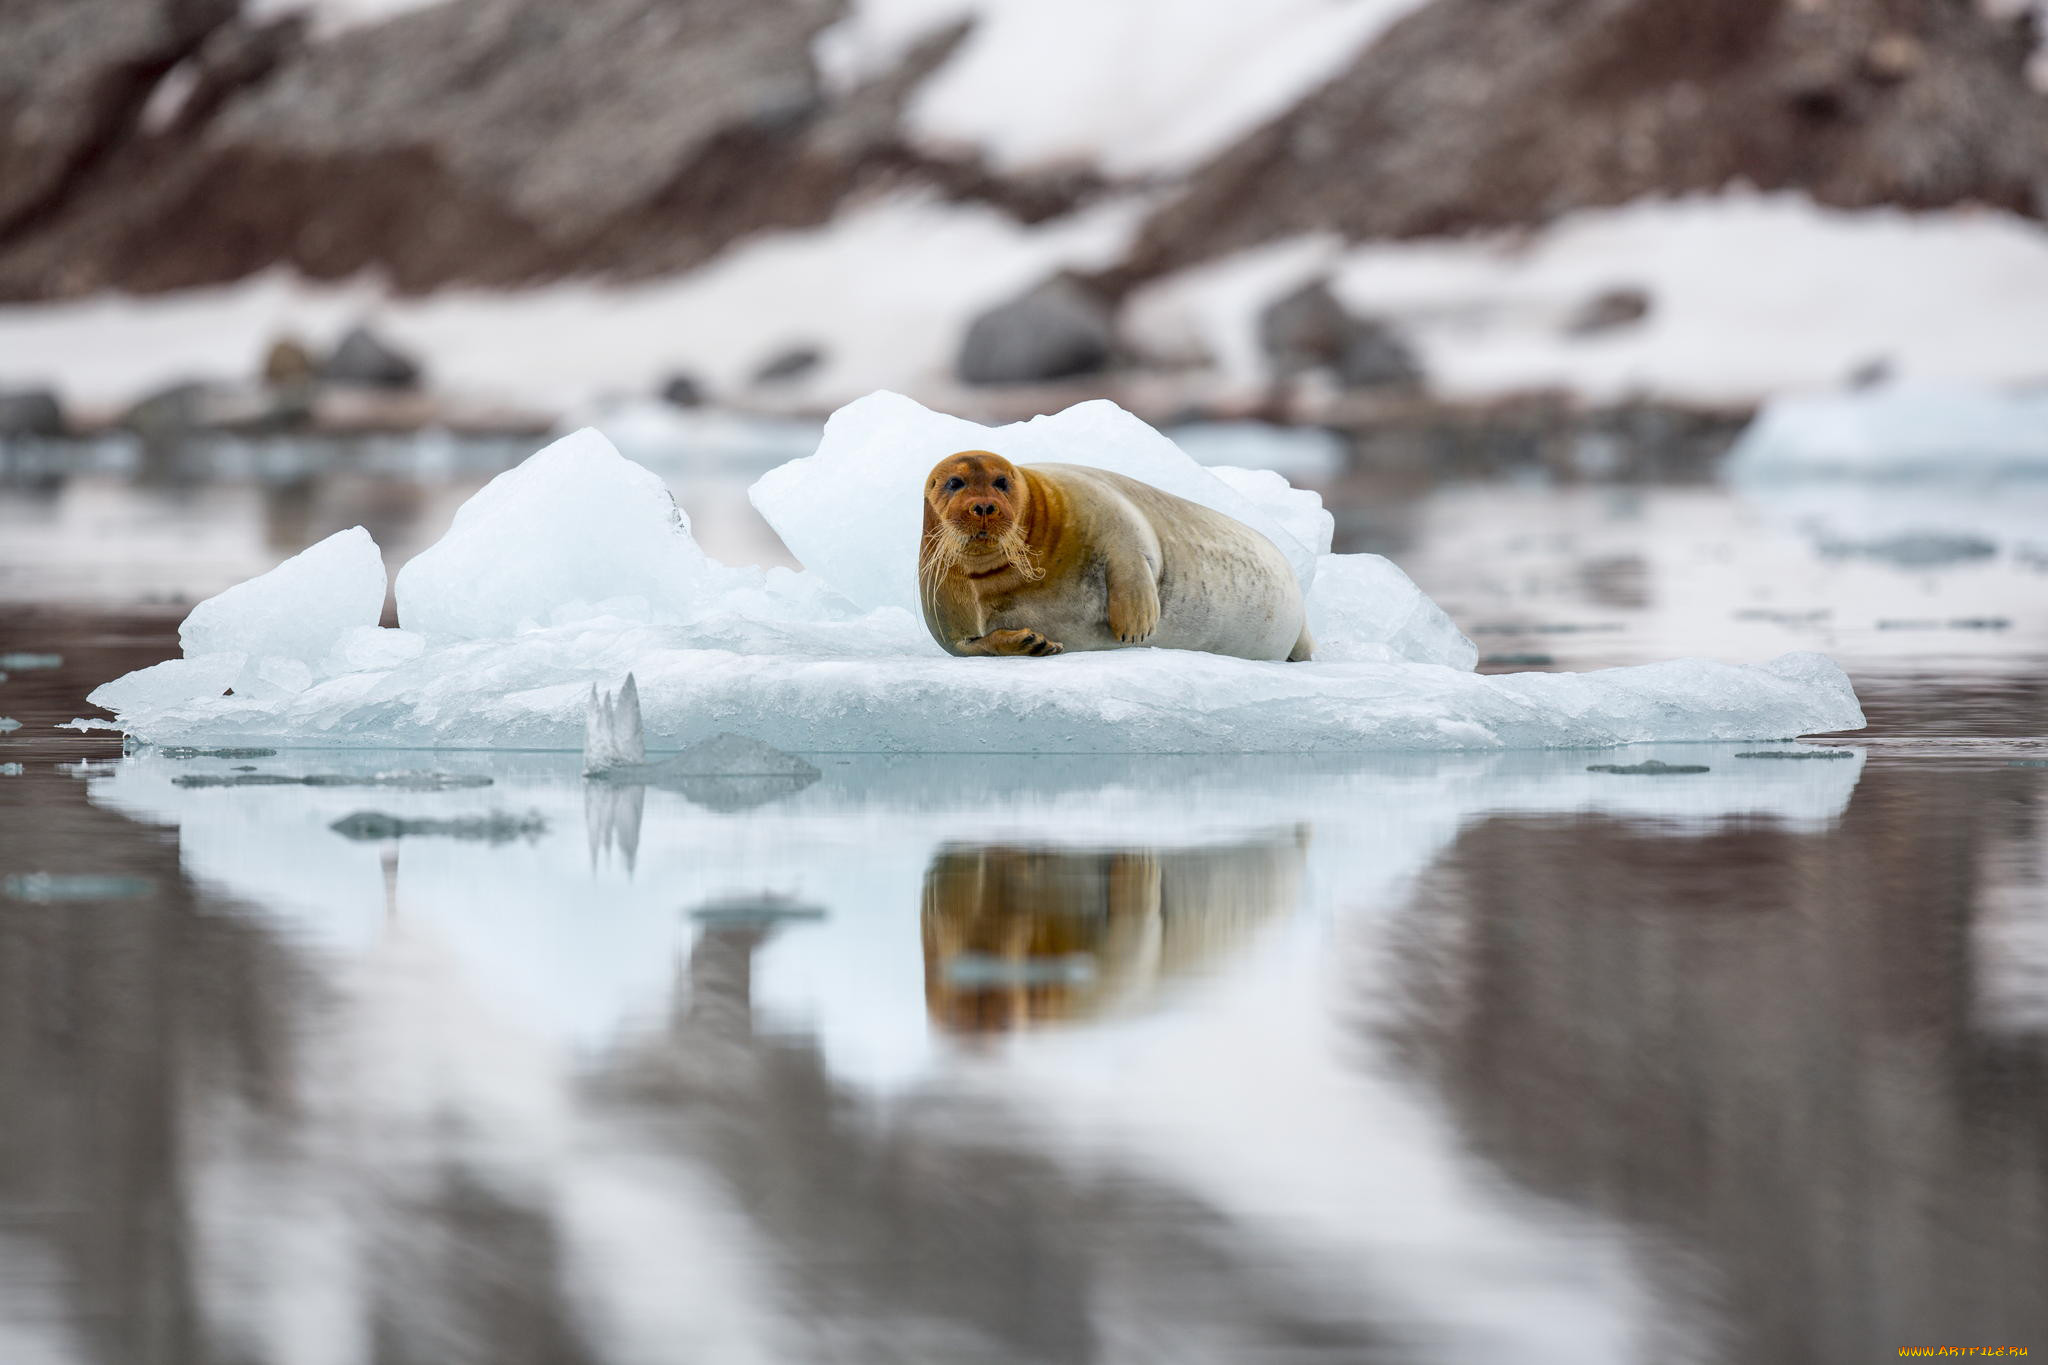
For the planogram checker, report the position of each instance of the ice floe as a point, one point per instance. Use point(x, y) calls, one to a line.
point(1943, 431)
point(577, 568)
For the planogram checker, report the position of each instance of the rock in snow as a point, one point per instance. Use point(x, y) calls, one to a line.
point(576, 569)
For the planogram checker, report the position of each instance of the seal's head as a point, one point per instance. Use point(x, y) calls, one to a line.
point(974, 509)
point(977, 495)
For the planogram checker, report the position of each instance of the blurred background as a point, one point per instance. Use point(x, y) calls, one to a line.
point(1631, 329)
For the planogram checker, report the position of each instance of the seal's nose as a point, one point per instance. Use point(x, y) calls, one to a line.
point(984, 509)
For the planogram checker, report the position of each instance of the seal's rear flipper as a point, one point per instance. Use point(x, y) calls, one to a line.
point(612, 737)
point(1304, 648)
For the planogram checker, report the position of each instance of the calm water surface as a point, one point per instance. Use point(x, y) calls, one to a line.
point(1393, 1058)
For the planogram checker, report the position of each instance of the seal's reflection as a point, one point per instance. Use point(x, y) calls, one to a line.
point(1017, 935)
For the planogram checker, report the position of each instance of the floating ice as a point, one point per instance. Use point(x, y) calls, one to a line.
point(1298, 510)
point(1899, 431)
point(853, 512)
point(297, 609)
point(575, 532)
point(576, 569)
point(1366, 610)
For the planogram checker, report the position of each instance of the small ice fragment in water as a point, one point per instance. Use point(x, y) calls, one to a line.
point(186, 751)
point(22, 663)
point(412, 782)
point(1799, 753)
point(754, 910)
point(2010, 763)
point(45, 887)
point(497, 827)
point(612, 736)
point(90, 767)
point(982, 969)
point(8, 723)
point(11, 770)
point(1647, 768)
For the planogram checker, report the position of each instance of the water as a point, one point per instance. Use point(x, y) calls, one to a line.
point(1390, 1058)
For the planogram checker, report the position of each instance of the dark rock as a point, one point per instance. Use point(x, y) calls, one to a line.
point(788, 366)
point(1310, 329)
point(201, 405)
point(1058, 329)
point(495, 828)
point(364, 359)
point(1648, 768)
point(176, 410)
point(412, 782)
point(682, 391)
point(1517, 661)
point(30, 412)
point(184, 751)
point(1871, 373)
point(1607, 310)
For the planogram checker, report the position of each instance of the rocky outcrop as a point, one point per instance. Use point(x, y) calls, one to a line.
point(483, 142)
point(1474, 114)
point(74, 78)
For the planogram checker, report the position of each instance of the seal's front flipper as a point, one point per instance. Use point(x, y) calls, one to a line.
point(1011, 642)
point(1133, 602)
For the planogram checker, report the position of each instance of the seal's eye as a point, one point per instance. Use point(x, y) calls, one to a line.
point(955, 484)
point(1002, 485)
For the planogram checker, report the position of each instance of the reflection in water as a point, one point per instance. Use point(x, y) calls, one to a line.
point(1015, 936)
point(1443, 1057)
point(1762, 1046)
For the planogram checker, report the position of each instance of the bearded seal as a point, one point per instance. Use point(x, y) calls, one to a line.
point(1040, 559)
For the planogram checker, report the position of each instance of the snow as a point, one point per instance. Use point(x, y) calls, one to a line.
point(1133, 87)
point(1945, 431)
point(885, 291)
point(335, 16)
point(507, 626)
point(1750, 294)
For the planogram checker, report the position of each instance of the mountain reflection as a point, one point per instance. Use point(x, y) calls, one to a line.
point(1781, 1053)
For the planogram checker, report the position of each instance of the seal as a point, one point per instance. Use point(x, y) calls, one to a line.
point(1040, 559)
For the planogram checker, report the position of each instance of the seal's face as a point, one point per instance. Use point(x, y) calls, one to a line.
point(978, 496)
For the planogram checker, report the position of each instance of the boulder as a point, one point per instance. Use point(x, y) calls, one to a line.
point(1607, 310)
point(789, 366)
point(30, 412)
point(1311, 329)
point(682, 391)
point(364, 360)
point(1056, 330)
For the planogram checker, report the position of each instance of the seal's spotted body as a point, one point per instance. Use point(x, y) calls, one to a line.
point(1040, 559)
